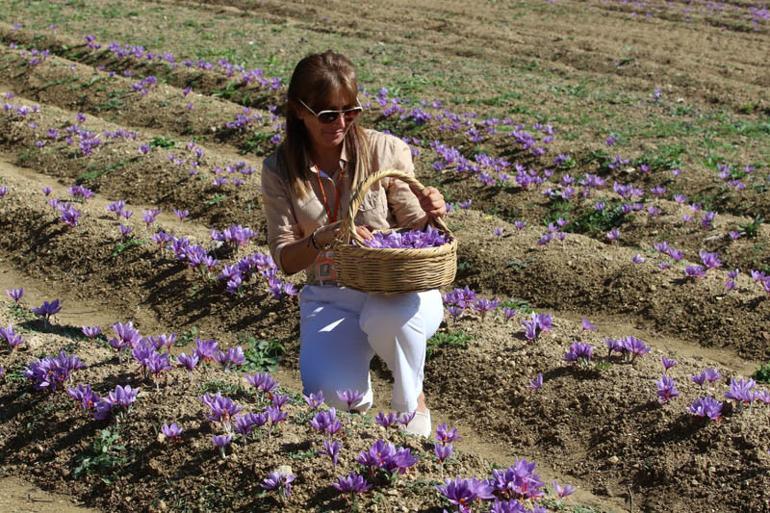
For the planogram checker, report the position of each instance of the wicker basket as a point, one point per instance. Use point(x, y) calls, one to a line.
point(391, 270)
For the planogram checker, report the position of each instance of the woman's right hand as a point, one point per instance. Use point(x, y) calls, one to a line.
point(325, 235)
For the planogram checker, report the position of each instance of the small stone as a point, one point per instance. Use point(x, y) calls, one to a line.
point(614, 460)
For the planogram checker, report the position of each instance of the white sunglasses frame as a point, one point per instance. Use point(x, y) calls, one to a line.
point(358, 108)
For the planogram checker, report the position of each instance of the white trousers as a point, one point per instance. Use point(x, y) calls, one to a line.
point(341, 330)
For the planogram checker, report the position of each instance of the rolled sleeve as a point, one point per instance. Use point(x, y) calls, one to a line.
point(402, 201)
point(282, 225)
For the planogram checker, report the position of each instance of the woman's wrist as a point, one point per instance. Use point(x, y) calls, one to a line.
point(317, 244)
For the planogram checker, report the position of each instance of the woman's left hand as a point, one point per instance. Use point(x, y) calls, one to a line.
point(432, 202)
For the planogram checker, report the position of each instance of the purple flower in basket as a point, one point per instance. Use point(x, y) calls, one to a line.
point(416, 239)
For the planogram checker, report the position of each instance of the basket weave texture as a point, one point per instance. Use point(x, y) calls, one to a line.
point(391, 270)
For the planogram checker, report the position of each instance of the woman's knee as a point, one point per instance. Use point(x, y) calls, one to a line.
point(394, 316)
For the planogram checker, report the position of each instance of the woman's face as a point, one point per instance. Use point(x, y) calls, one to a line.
point(327, 136)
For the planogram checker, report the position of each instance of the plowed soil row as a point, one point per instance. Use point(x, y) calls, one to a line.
point(119, 171)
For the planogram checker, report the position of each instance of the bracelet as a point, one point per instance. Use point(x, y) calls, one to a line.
point(315, 243)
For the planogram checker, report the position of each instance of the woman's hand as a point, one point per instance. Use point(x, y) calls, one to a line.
point(325, 235)
point(431, 201)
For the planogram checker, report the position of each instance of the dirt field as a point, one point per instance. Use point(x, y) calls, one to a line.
point(665, 103)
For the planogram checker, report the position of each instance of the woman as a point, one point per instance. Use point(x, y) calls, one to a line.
point(306, 189)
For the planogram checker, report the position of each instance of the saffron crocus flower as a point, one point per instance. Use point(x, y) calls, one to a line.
point(706, 407)
point(353, 484)
point(326, 422)
point(263, 382)
point(465, 492)
point(405, 418)
point(221, 442)
point(14, 339)
point(666, 389)
point(509, 313)
point(694, 271)
point(613, 235)
point(386, 420)
point(314, 400)
point(15, 294)
point(443, 451)
point(484, 306)
point(444, 435)
point(280, 481)
point(47, 309)
point(638, 259)
point(230, 358)
point(562, 491)
point(537, 324)
point(332, 449)
point(123, 396)
point(181, 214)
point(206, 350)
point(188, 362)
point(350, 397)
point(519, 481)
point(84, 395)
point(742, 390)
point(275, 415)
point(579, 352)
point(667, 363)
point(91, 331)
point(51, 373)
point(710, 260)
point(536, 383)
point(635, 347)
point(587, 326)
point(171, 431)
point(221, 409)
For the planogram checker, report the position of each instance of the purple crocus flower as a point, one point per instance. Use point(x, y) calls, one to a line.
point(171, 431)
point(221, 442)
point(710, 260)
point(221, 409)
point(536, 383)
point(444, 435)
point(562, 491)
point(332, 449)
point(188, 362)
point(352, 483)
point(84, 395)
point(47, 309)
point(206, 350)
point(709, 374)
point(51, 373)
point(326, 422)
point(667, 363)
point(314, 400)
point(263, 382)
point(694, 271)
point(443, 451)
point(742, 390)
point(666, 389)
point(149, 216)
point(386, 420)
point(280, 481)
point(350, 397)
point(14, 339)
point(579, 352)
point(635, 347)
point(613, 235)
point(587, 326)
point(15, 294)
point(707, 407)
point(463, 493)
point(275, 415)
point(91, 331)
point(123, 396)
point(519, 481)
point(405, 418)
point(230, 358)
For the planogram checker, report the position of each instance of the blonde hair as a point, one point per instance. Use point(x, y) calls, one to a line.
point(314, 80)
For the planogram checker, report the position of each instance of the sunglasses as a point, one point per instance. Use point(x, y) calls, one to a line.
point(327, 117)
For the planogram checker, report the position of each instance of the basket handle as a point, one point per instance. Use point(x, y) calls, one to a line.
point(348, 228)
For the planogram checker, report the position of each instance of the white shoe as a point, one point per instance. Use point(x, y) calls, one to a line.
point(420, 425)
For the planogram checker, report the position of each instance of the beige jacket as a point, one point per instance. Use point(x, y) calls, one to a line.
point(388, 204)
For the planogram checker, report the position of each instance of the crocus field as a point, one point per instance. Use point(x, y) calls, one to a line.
point(606, 344)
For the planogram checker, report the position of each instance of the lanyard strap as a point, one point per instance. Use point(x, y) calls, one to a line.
point(331, 215)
